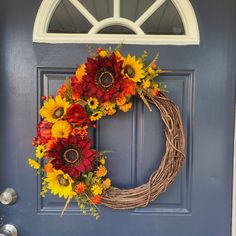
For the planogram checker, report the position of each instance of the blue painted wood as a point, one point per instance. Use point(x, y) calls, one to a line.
point(202, 83)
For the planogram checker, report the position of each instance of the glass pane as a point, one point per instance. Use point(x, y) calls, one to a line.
point(116, 29)
point(166, 20)
point(100, 9)
point(133, 9)
point(67, 19)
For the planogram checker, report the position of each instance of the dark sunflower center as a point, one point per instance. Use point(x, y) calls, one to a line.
point(129, 71)
point(95, 114)
point(91, 103)
point(72, 156)
point(58, 112)
point(105, 80)
point(62, 181)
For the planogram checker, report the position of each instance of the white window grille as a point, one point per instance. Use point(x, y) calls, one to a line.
point(139, 36)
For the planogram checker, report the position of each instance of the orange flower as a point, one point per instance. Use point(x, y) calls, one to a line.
point(155, 92)
point(106, 183)
point(129, 88)
point(80, 72)
point(111, 112)
point(96, 199)
point(48, 167)
point(83, 131)
point(121, 100)
point(81, 187)
point(102, 171)
point(126, 107)
point(62, 90)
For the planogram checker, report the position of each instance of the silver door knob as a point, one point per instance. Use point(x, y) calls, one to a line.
point(8, 196)
point(8, 230)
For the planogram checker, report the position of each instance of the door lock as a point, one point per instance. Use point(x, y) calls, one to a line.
point(8, 196)
point(8, 230)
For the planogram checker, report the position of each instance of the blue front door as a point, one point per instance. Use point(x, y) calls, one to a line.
point(201, 83)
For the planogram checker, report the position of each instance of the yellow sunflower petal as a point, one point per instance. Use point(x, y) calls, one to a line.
point(96, 116)
point(93, 103)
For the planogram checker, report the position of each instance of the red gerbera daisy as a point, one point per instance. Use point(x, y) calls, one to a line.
point(103, 78)
point(73, 155)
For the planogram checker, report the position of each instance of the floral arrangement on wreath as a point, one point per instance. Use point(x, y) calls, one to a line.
point(100, 87)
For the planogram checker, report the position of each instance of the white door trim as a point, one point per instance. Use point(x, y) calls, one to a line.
point(234, 186)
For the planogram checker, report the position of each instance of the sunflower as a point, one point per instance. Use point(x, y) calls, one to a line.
point(39, 152)
point(96, 116)
point(73, 155)
point(34, 164)
point(104, 78)
point(133, 69)
point(60, 184)
point(93, 103)
point(61, 129)
point(54, 109)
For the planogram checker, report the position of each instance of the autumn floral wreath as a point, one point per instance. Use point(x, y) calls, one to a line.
point(71, 168)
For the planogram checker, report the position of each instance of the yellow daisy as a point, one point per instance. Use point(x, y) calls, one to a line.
point(96, 190)
point(93, 103)
point(146, 84)
point(60, 184)
point(133, 69)
point(54, 109)
point(39, 152)
point(96, 116)
point(61, 129)
point(34, 164)
point(80, 72)
point(106, 183)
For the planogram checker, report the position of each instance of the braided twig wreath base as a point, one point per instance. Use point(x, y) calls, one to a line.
point(170, 165)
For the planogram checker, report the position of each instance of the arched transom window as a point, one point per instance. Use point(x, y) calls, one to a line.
point(116, 21)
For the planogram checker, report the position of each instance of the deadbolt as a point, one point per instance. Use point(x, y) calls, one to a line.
point(8, 230)
point(8, 196)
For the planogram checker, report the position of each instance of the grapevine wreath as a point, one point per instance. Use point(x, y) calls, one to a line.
point(101, 87)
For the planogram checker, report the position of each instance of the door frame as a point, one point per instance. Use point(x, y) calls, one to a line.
point(234, 185)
